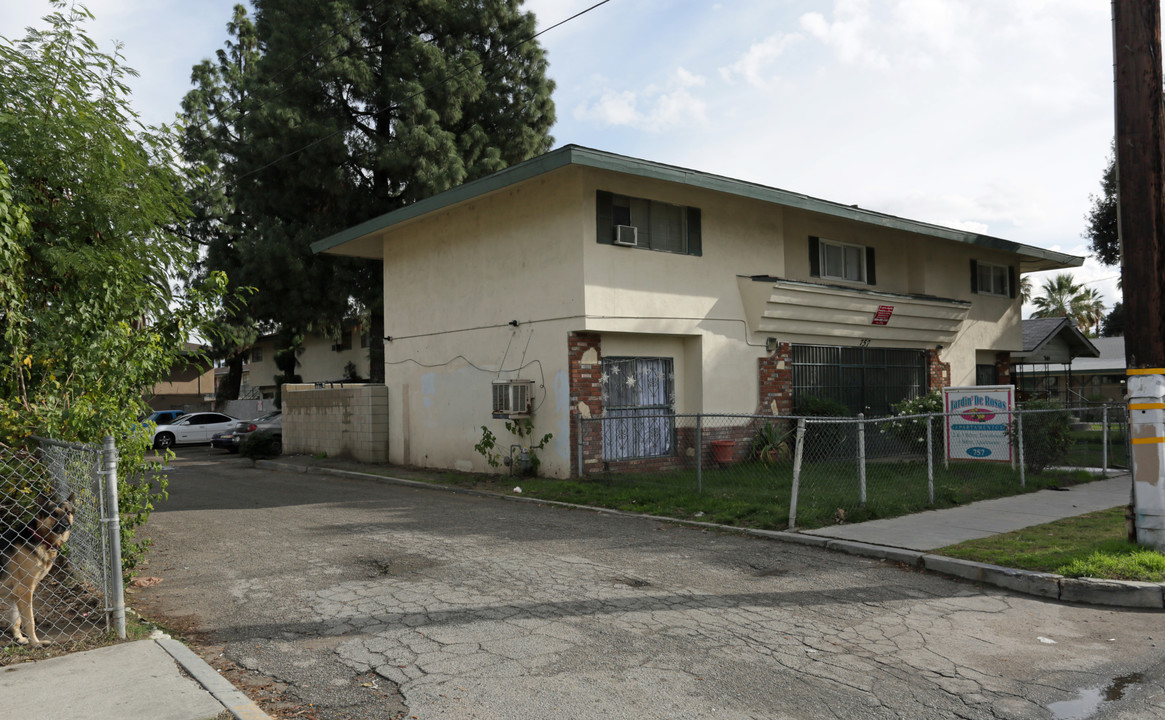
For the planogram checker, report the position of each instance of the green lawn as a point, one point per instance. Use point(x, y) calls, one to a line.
point(757, 495)
point(1092, 545)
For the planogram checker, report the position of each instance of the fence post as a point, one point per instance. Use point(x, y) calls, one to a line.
point(699, 452)
point(798, 453)
point(1104, 443)
point(930, 458)
point(1019, 433)
point(862, 459)
point(113, 523)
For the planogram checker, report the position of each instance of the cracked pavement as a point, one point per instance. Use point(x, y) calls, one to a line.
point(369, 600)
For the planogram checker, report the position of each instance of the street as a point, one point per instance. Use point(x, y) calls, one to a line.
point(356, 599)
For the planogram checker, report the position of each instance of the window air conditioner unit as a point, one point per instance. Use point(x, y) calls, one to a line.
point(512, 398)
point(626, 235)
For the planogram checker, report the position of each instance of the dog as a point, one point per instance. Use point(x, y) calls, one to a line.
point(27, 552)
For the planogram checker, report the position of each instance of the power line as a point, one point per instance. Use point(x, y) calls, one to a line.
point(422, 91)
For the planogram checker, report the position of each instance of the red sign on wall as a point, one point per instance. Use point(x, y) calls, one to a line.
point(883, 315)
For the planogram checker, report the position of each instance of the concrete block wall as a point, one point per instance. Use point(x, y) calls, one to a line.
point(340, 420)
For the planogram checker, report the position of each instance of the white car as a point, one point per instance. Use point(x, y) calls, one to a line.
point(191, 429)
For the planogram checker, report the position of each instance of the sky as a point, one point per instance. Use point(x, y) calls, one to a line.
point(993, 116)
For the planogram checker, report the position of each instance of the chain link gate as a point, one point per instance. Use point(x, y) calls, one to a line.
point(80, 593)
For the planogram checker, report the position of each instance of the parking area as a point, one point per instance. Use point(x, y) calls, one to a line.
point(361, 599)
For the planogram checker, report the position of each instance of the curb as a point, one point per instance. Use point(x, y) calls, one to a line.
point(233, 699)
point(1091, 591)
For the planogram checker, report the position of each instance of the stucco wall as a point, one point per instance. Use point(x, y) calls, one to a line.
point(452, 286)
point(454, 281)
point(317, 363)
point(351, 421)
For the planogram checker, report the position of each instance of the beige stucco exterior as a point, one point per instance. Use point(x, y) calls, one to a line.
point(318, 361)
point(492, 286)
point(189, 384)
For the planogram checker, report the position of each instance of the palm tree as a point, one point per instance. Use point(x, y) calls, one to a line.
point(1025, 290)
point(1064, 297)
point(1091, 309)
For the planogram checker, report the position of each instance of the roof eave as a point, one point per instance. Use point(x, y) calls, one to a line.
point(361, 240)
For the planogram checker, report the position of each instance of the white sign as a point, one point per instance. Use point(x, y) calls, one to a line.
point(978, 422)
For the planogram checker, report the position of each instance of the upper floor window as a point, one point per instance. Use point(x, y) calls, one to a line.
point(636, 222)
point(256, 354)
point(833, 260)
point(988, 279)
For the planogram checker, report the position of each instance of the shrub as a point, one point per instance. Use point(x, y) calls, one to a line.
point(261, 446)
point(769, 443)
point(1047, 436)
point(813, 406)
point(824, 440)
point(912, 431)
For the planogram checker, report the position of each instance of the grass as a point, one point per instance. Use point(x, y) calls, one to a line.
point(1088, 448)
point(757, 495)
point(1092, 545)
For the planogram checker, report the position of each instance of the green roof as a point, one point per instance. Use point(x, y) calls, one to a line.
point(1034, 258)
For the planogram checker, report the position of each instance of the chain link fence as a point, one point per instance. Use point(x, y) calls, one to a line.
point(61, 578)
point(814, 471)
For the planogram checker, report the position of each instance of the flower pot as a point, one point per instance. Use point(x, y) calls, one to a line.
point(722, 450)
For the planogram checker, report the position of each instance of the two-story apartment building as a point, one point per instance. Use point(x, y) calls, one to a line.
point(319, 358)
point(603, 284)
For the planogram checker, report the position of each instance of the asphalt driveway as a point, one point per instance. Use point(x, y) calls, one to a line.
point(357, 599)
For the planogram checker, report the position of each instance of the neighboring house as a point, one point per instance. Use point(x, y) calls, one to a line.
point(1059, 362)
point(320, 358)
point(603, 284)
point(190, 385)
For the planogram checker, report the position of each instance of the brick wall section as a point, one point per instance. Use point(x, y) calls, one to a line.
point(938, 372)
point(1003, 368)
point(775, 373)
point(585, 357)
point(349, 421)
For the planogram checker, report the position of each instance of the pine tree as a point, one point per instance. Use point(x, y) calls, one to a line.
point(211, 142)
point(359, 107)
point(1102, 219)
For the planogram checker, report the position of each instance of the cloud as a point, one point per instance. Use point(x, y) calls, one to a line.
point(756, 65)
point(672, 106)
point(852, 33)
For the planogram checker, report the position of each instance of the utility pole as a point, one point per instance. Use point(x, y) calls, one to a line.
point(1140, 160)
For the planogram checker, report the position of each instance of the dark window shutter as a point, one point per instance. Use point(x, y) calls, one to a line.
point(871, 276)
point(695, 245)
point(604, 228)
point(1012, 285)
point(814, 257)
point(974, 277)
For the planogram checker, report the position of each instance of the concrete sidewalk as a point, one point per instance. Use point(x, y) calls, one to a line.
point(148, 679)
point(939, 528)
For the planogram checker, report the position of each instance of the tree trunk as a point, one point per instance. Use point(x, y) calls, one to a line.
point(229, 389)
